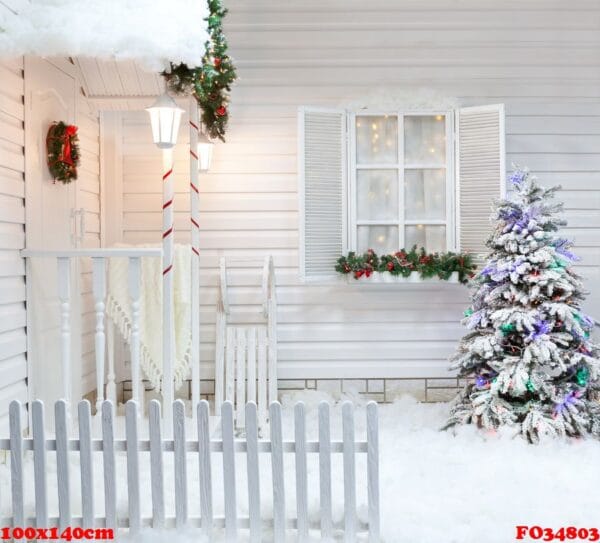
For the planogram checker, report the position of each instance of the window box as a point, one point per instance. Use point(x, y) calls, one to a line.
point(385, 277)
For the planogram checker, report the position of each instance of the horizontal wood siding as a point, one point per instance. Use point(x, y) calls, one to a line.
point(543, 64)
point(13, 337)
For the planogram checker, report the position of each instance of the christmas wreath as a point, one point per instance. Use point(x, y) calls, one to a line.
point(210, 82)
point(403, 262)
point(62, 151)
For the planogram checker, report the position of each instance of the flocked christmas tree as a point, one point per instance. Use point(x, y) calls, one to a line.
point(528, 356)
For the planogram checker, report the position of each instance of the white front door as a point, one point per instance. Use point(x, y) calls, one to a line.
point(50, 95)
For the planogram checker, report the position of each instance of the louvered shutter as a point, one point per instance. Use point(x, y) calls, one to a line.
point(322, 188)
point(481, 172)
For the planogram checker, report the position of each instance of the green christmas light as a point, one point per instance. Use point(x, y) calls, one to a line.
point(468, 312)
point(582, 376)
point(507, 328)
point(530, 386)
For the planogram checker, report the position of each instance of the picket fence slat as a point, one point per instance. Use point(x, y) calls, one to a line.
point(186, 513)
point(39, 464)
point(349, 473)
point(16, 463)
point(133, 466)
point(301, 472)
point(205, 473)
point(373, 471)
point(252, 469)
point(109, 460)
point(156, 464)
point(229, 472)
point(325, 471)
point(181, 497)
point(62, 463)
point(87, 466)
point(278, 474)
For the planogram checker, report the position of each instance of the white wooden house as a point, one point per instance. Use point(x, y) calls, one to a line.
point(306, 72)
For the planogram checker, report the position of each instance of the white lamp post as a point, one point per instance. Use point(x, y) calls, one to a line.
point(205, 151)
point(165, 118)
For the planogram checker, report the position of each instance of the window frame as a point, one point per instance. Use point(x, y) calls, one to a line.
point(451, 219)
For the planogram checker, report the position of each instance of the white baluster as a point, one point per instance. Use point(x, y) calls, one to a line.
point(64, 295)
point(99, 291)
point(134, 293)
point(111, 387)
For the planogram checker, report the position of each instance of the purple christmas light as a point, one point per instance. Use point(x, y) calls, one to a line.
point(540, 328)
point(517, 177)
point(568, 400)
point(561, 246)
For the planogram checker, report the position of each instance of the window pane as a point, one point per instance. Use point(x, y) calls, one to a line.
point(377, 139)
point(377, 195)
point(433, 238)
point(425, 139)
point(382, 239)
point(425, 194)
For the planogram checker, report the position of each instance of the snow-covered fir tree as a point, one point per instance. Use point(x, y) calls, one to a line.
point(528, 355)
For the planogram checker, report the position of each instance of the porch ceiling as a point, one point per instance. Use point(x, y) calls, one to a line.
point(118, 84)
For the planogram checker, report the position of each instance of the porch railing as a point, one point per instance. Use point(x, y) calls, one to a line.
point(99, 258)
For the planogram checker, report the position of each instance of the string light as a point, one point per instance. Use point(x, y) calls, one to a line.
point(381, 238)
point(374, 126)
point(439, 117)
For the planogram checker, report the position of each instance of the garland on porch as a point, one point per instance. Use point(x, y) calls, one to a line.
point(210, 82)
point(62, 151)
point(404, 262)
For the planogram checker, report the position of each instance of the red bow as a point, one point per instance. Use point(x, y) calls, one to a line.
point(65, 155)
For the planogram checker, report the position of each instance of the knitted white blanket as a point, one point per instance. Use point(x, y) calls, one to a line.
point(118, 309)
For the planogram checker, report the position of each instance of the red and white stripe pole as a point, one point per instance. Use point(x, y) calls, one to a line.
point(167, 276)
point(195, 260)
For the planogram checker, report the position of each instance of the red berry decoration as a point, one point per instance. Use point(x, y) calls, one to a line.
point(390, 266)
point(217, 62)
point(358, 274)
point(221, 111)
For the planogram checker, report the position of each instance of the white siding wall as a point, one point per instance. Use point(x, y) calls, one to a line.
point(13, 339)
point(541, 59)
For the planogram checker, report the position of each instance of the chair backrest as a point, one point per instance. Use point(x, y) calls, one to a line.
point(246, 355)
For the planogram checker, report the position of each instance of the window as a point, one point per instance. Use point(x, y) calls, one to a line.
point(387, 180)
point(401, 182)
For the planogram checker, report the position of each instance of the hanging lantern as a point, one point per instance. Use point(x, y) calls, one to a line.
point(205, 151)
point(165, 117)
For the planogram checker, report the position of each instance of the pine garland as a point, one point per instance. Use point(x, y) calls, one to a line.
point(403, 263)
point(209, 83)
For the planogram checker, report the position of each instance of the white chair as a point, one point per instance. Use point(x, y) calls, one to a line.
point(246, 355)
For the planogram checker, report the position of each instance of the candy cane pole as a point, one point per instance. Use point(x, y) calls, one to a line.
point(167, 276)
point(195, 260)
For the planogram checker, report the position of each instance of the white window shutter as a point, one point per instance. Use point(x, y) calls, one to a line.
point(480, 173)
point(323, 188)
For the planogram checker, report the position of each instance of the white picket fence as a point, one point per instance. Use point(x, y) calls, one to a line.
point(205, 448)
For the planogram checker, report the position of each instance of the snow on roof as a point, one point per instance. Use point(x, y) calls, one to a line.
point(152, 32)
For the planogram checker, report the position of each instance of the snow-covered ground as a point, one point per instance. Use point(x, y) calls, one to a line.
point(436, 487)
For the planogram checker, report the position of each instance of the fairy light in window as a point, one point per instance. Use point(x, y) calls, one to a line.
point(380, 238)
point(439, 117)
